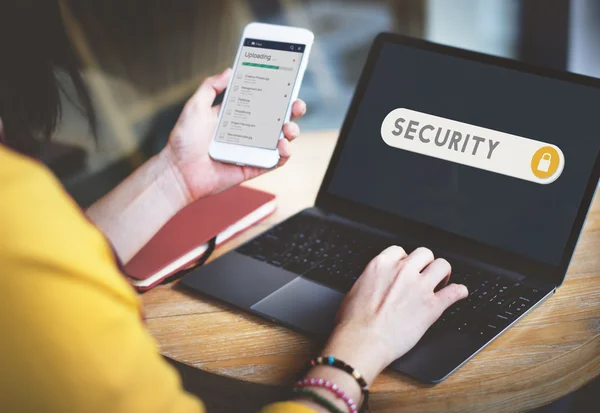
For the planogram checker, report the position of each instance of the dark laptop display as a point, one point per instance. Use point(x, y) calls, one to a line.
point(523, 217)
point(489, 162)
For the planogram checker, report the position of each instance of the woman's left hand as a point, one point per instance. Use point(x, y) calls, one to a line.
point(187, 149)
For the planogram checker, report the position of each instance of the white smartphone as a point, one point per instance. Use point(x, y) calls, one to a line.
point(267, 74)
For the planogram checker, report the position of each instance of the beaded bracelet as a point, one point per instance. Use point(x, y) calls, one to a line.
point(334, 388)
point(317, 398)
point(339, 364)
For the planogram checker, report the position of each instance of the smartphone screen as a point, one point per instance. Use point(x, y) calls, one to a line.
point(260, 93)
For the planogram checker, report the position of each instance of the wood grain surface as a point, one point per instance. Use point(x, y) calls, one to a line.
point(552, 352)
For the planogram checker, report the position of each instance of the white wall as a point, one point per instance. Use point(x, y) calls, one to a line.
point(584, 37)
point(489, 26)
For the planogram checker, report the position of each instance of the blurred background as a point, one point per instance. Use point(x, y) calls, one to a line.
point(143, 58)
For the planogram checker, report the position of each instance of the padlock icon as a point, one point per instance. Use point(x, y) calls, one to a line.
point(544, 163)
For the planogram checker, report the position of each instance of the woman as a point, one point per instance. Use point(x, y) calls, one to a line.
point(71, 332)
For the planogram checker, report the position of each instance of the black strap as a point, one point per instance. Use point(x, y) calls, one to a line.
point(211, 247)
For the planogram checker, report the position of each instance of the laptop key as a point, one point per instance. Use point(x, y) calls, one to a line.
point(299, 267)
point(509, 314)
point(501, 320)
point(520, 309)
point(518, 305)
point(276, 263)
point(488, 329)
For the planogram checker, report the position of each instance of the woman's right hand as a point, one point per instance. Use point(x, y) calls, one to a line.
point(384, 315)
point(390, 307)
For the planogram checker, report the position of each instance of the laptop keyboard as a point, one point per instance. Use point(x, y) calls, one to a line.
point(335, 255)
point(493, 303)
point(329, 253)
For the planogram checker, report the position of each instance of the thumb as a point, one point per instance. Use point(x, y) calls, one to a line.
point(451, 294)
point(211, 87)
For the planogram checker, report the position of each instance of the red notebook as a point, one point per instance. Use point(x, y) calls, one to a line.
point(184, 239)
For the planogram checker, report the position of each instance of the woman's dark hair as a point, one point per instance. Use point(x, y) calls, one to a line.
point(34, 47)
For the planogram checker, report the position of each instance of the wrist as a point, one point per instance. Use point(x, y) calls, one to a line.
point(359, 349)
point(174, 184)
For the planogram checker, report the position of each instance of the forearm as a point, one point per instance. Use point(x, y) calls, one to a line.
point(135, 210)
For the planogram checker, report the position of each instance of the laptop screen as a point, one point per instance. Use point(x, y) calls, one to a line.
point(489, 153)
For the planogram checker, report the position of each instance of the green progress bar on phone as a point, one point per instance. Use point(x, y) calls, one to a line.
point(260, 65)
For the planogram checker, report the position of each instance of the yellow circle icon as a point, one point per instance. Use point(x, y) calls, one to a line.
point(545, 162)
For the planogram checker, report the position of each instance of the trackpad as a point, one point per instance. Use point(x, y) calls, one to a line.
point(303, 305)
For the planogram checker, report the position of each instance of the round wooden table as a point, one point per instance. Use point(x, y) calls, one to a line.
point(552, 352)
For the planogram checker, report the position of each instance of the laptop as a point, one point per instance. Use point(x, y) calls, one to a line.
point(489, 162)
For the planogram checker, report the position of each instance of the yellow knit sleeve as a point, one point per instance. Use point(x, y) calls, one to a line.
point(72, 335)
point(287, 407)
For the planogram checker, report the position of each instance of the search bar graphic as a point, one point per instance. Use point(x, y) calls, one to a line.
point(474, 146)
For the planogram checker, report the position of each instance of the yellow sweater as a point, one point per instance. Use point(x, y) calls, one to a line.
point(71, 333)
